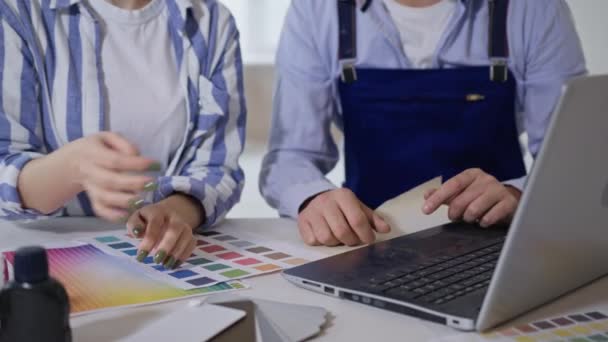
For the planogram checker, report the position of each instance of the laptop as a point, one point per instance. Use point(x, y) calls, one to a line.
point(471, 278)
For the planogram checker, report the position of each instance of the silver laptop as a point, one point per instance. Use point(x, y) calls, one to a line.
point(473, 279)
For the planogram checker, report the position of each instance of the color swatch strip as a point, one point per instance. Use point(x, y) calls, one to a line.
point(583, 327)
point(218, 257)
point(96, 281)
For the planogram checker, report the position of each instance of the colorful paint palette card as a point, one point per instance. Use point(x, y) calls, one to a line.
point(583, 327)
point(97, 281)
point(218, 257)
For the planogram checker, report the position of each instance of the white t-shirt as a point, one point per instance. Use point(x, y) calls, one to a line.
point(421, 29)
point(146, 102)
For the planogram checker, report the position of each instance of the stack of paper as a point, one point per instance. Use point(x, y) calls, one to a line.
point(277, 322)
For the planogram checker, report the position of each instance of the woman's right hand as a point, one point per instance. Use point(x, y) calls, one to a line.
point(103, 165)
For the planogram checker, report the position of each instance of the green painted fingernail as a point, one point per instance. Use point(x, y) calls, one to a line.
point(136, 203)
point(142, 255)
point(170, 263)
point(152, 186)
point(154, 167)
point(178, 263)
point(160, 256)
point(137, 231)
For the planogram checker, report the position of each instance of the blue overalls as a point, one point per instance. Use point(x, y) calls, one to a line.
point(404, 127)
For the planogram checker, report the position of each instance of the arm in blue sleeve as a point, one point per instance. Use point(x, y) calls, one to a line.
point(301, 149)
point(212, 173)
point(552, 54)
point(20, 123)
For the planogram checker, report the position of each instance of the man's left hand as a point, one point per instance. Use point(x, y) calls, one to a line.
point(474, 196)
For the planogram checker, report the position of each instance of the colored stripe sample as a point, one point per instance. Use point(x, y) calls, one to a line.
point(201, 281)
point(198, 261)
point(267, 268)
point(201, 242)
point(596, 315)
point(121, 245)
point(562, 321)
point(544, 325)
point(258, 250)
point(212, 249)
point(225, 238)
point(242, 244)
point(216, 267)
point(183, 274)
point(131, 252)
point(234, 273)
point(277, 256)
point(229, 255)
point(526, 329)
point(580, 318)
point(295, 261)
point(107, 239)
point(248, 262)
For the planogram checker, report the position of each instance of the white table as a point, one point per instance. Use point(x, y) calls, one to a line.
point(350, 322)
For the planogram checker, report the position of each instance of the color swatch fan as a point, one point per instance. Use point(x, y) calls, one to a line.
point(218, 257)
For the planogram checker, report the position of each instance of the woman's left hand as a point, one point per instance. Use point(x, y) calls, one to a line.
point(166, 229)
point(474, 196)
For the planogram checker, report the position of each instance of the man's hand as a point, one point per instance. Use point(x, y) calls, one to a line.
point(474, 196)
point(166, 229)
point(338, 217)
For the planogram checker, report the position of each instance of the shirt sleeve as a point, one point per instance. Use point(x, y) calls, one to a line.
point(301, 149)
point(552, 55)
point(20, 124)
point(212, 173)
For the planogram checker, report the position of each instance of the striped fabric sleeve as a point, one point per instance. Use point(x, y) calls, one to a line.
point(212, 173)
point(20, 126)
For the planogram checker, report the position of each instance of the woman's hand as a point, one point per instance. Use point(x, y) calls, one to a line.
point(166, 229)
point(101, 164)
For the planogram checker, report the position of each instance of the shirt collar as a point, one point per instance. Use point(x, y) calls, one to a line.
point(361, 3)
point(183, 5)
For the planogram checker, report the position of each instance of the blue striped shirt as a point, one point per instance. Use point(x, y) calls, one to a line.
point(545, 51)
point(53, 93)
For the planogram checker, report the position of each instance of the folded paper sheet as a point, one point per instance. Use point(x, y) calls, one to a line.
point(404, 212)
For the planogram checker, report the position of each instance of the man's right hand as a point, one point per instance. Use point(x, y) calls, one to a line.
point(338, 217)
point(102, 165)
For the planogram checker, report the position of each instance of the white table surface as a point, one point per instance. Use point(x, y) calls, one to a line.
point(350, 321)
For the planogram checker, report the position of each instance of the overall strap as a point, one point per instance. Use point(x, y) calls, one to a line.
point(498, 44)
point(347, 49)
point(498, 40)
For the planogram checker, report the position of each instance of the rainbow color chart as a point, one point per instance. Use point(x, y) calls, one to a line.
point(583, 327)
point(95, 280)
point(218, 257)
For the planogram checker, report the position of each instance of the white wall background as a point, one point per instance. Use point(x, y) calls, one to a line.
point(590, 18)
point(260, 23)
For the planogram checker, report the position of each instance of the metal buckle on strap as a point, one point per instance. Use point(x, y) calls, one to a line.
point(499, 70)
point(349, 73)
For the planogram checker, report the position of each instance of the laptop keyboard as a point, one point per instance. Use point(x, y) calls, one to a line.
point(442, 279)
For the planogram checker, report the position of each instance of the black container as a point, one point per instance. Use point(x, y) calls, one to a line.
point(34, 307)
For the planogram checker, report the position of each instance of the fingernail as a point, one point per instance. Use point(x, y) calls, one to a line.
point(149, 187)
point(178, 263)
point(137, 231)
point(141, 255)
point(155, 167)
point(169, 263)
point(136, 203)
point(160, 256)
